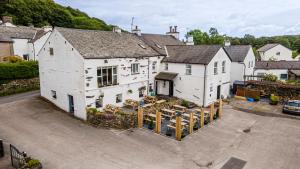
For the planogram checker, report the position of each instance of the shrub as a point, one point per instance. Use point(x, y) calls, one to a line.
point(270, 77)
point(12, 59)
point(184, 103)
point(274, 99)
point(19, 70)
point(33, 163)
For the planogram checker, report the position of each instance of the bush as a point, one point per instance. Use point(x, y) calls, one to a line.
point(270, 77)
point(12, 59)
point(184, 103)
point(19, 70)
point(274, 99)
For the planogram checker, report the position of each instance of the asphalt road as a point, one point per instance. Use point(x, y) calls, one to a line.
point(16, 97)
point(62, 142)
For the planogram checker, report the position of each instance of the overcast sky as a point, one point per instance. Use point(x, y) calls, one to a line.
point(231, 17)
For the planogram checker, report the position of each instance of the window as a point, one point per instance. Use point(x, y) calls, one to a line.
point(166, 66)
point(107, 76)
point(51, 51)
point(283, 76)
point(135, 68)
point(278, 53)
point(154, 66)
point(99, 102)
point(223, 67)
point(53, 94)
point(26, 57)
point(249, 64)
point(188, 69)
point(118, 98)
point(216, 68)
point(252, 63)
point(211, 88)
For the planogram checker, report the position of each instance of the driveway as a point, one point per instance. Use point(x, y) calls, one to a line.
point(62, 142)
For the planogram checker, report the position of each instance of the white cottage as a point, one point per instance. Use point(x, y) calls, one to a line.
point(22, 41)
point(90, 68)
point(200, 74)
point(275, 52)
point(243, 62)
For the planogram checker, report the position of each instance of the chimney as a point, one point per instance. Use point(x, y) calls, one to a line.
point(7, 19)
point(227, 43)
point(117, 29)
point(136, 31)
point(189, 40)
point(173, 32)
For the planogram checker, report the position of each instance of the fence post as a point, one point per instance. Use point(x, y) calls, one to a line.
point(158, 122)
point(178, 128)
point(140, 117)
point(191, 126)
point(220, 108)
point(212, 106)
point(202, 118)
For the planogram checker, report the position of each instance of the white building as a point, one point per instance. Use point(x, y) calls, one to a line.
point(279, 68)
point(243, 61)
point(275, 52)
point(22, 41)
point(200, 74)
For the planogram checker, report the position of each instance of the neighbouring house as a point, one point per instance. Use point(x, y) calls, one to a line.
point(200, 74)
point(279, 68)
point(275, 52)
point(243, 62)
point(90, 68)
point(22, 41)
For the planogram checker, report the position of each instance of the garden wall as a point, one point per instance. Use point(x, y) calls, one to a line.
point(18, 86)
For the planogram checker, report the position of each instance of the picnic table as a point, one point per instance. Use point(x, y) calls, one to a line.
point(160, 101)
point(180, 108)
point(111, 109)
point(168, 113)
point(147, 105)
point(173, 124)
point(131, 103)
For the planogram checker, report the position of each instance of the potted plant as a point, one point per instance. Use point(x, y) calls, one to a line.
point(151, 125)
point(274, 99)
point(196, 126)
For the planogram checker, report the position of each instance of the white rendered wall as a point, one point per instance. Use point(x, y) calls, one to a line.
point(21, 47)
point(271, 54)
point(37, 46)
point(276, 72)
point(64, 73)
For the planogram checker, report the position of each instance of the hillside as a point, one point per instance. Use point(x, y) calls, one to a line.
point(47, 12)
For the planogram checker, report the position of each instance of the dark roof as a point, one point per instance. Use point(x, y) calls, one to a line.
point(158, 42)
point(20, 32)
point(198, 54)
point(267, 47)
point(38, 35)
point(237, 53)
point(106, 44)
point(296, 72)
point(290, 65)
point(5, 38)
point(165, 76)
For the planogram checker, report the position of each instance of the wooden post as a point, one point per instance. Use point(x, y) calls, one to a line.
point(140, 117)
point(212, 106)
point(202, 118)
point(158, 122)
point(220, 108)
point(191, 126)
point(178, 128)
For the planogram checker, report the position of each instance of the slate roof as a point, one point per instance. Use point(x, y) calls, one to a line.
point(5, 38)
point(20, 32)
point(296, 72)
point(198, 54)
point(158, 42)
point(106, 44)
point(266, 65)
point(237, 53)
point(267, 47)
point(165, 76)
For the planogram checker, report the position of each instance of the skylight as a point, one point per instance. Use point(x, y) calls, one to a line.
point(157, 45)
point(142, 46)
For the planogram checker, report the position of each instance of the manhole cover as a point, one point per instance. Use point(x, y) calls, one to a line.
point(234, 163)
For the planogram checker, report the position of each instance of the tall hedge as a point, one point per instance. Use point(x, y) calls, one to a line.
point(19, 70)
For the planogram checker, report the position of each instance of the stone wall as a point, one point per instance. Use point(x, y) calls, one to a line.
point(18, 86)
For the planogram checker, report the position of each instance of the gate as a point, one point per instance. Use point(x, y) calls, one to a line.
point(17, 157)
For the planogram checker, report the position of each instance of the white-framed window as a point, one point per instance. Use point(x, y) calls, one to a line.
point(283, 76)
point(224, 66)
point(135, 68)
point(53, 94)
point(188, 69)
point(249, 64)
point(107, 76)
point(154, 66)
point(51, 50)
point(99, 102)
point(118, 98)
point(216, 68)
point(166, 66)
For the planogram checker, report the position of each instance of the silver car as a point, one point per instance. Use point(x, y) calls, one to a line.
point(292, 107)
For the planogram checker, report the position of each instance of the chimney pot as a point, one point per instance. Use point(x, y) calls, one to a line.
point(175, 28)
point(171, 27)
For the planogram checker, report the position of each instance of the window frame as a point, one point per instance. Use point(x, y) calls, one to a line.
point(286, 75)
point(53, 94)
point(166, 66)
point(119, 100)
point(51, 51)
point(224, 66)
point(99, 100)
point(188, 69)
point(110, 76)
point(135, 68)
point(215, 68)
point(154, 63)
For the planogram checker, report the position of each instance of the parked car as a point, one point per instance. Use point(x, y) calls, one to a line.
point(292, 107)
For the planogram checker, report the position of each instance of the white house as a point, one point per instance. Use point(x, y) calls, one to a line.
point(243, 61)
point(22, 41)
point(275, 52)
point(89, 68)
point(200, 74)
point(279, 68)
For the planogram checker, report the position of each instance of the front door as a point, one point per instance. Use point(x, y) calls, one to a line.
point(171, 88)
point(219, 92)
point(71, 104)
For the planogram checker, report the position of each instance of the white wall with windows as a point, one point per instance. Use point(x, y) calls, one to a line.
point(282, 74)
point(277, 53)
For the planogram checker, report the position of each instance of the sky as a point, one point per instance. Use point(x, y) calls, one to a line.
point(230, 17)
